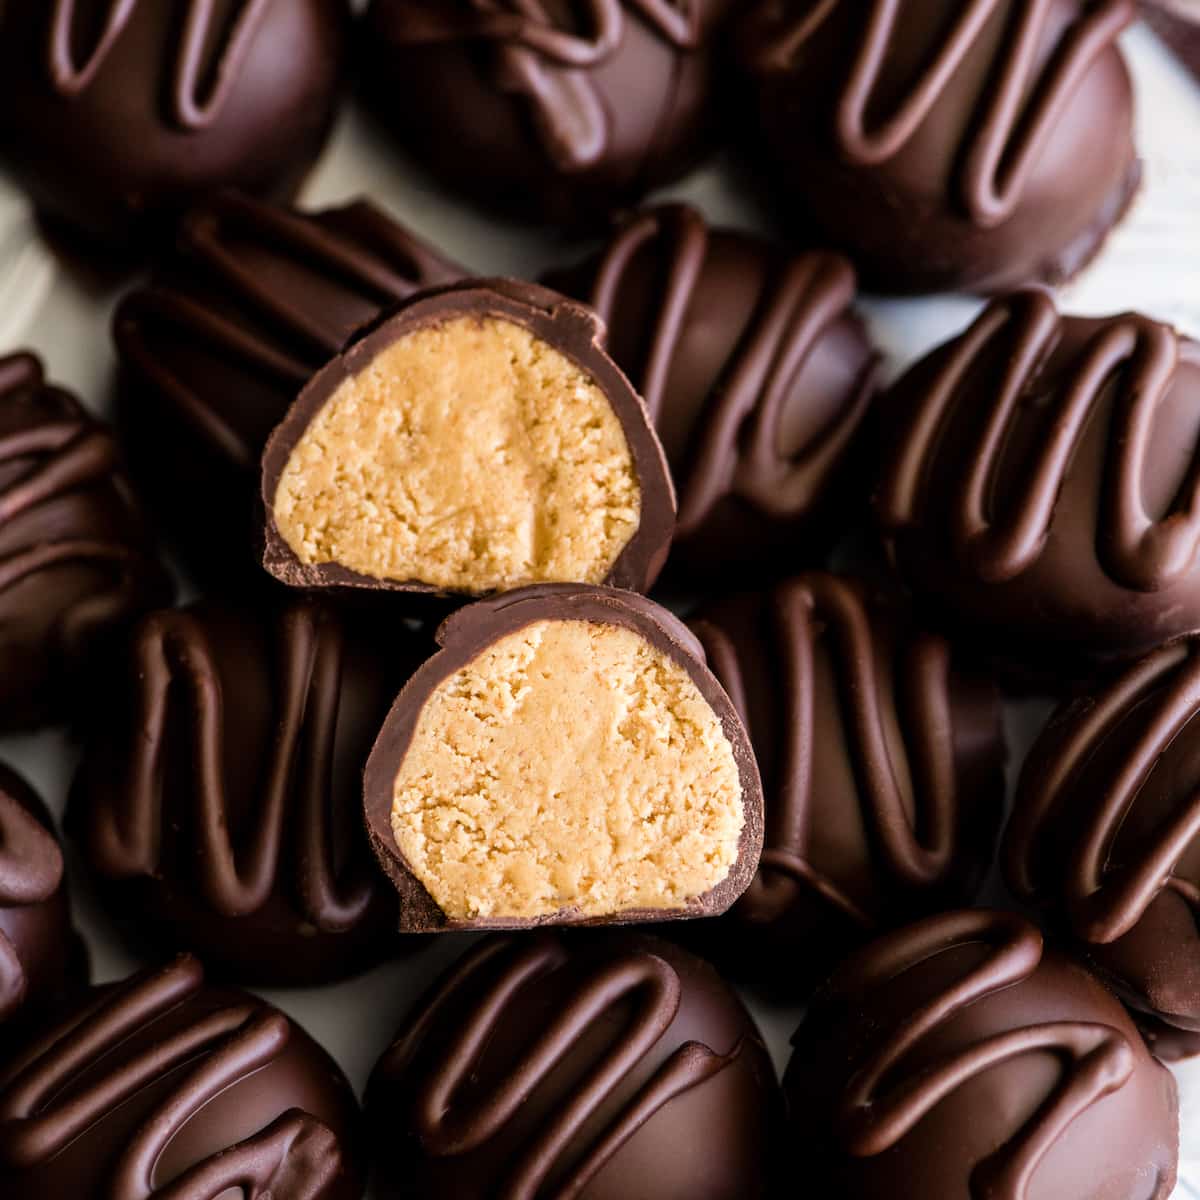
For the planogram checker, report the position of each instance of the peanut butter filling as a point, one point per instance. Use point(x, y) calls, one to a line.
point(571, 765)
point(469, 455)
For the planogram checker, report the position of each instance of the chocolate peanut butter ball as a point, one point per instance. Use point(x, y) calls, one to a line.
point(218, 801)
point(166, 1086)
point(254, 301)
point(947, 146)
point(548, 110)
point(1041, 493)
point(42, 960)
point(882, 758)
point(76, 564)
point(1105, 836)
point(476, 439)
point(600, 1065)
point(565, 758)
point(758, 373)
point(116, 113)
point(960, 1058)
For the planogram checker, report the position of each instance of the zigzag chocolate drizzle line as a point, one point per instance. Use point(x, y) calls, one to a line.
point(189, 109)
point(874, 1114)
point(381, 262)
point(738, 451)
point(226, 1045)
point(1015, 114)
point(548, 65)
point(802, 610)
point(125, 835)
point(449, 1128)
point(1132, 355)
point(1104, 902)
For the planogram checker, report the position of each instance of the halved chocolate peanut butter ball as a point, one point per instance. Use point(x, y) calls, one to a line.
point(565, 758)
point(474, 440)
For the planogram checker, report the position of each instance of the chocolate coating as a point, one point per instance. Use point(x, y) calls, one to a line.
point(1105, 835)
point(957, 1058)
point(547, 110)
point(115, 113)
point(570, 328)
point(217, 345)
point(758, 374)
point(217, 801)
point(603, 1066)
point(75, 562)
point(42, 959)
point(1042, 490)
point(163, 1086)
point(462, 637)
point(1177, 22)
point(948, 146)
point(882, 759)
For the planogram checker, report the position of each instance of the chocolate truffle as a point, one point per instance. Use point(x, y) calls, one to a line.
point(42, 959)
point(169, 1087)
point(1177, 22)
point(217, 803)
point(1042, 493)
point(566, 758)
point(1105, 835)
point(607, 1065)
point(882, 760)
point(948, 146)
point(475, 439)
point(75, 562)
point(758, 374)
point(958, 1058)
point(548, 110)
point(114, 113)
point(213, 350)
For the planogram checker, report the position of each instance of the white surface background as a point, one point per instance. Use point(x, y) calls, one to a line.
point(1151, 263)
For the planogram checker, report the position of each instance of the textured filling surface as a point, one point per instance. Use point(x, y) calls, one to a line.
point(570, 765)
point(469, 455)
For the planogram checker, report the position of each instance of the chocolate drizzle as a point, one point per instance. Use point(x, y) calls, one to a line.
point(875, 1111)
point(291, 830)
point(612, 1017)
point(997, 535)
point(1015, 115)
point(737, 448)
point(205, 65)
point(44, 1109)
point(545, 61)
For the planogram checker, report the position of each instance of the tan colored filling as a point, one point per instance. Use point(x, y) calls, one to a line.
point(469, 455)
point(570, 765)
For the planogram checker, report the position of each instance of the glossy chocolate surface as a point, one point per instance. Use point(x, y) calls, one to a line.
point(254, 301)
point(758, 374)
point(1105, 835)
point(565, 325)
point(166, 1087)
point(115, 113)
point(882, 760)
point(548, 110)
point(1042, 488)
point(75, 561)
point(42, 959)
point(465, 635)
point(217, 804)
point(947, 146)
point(958, 1058)
point(598, 1066)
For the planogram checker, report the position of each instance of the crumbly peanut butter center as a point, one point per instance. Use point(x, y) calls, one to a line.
point(469, 455)
point(572, 765)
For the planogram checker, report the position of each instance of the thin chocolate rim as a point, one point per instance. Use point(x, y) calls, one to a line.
point(466, 634)
point(572, 329)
